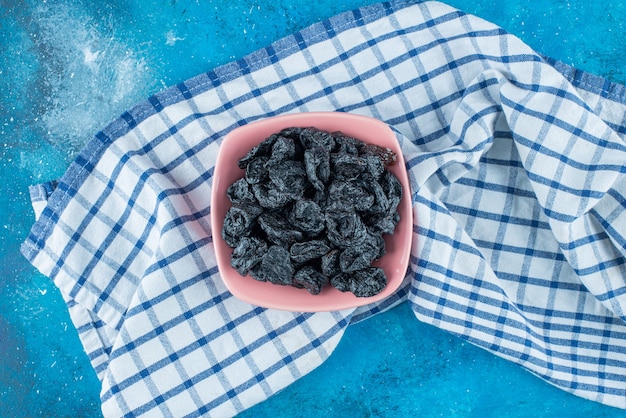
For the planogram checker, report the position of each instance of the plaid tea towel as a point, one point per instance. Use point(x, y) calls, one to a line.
point(517, 173)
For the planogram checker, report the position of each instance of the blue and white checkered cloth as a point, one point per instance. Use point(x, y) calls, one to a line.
point(517, 172)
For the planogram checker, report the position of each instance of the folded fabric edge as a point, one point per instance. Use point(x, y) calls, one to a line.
point(590, 82)
point(516, 360)
point(39, 195)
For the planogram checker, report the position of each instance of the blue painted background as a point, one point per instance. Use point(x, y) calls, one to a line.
point(68, 67)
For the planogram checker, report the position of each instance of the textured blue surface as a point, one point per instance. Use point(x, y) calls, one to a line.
point(68, 67)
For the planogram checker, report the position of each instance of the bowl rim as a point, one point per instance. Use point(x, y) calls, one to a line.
point(299, 300)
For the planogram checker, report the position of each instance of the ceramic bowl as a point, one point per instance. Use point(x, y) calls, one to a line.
point(238, 142)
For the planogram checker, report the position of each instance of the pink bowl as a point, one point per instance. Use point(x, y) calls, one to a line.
point(237, 143)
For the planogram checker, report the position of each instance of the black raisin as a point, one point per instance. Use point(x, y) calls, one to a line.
point(256, 170)
point(347, 167)
point(386, 155)
point(346, 144)
point(292, 132)
point(278, 229)
point(289, 178)
point(341, 282)
point(263, 149)
point(239, 192)
point(353, 193)
point(374, 167)
point(257, 273)
point(247, 254)
point(270, 197)
point(276, 266)
point(312, 137)
point(317, 164)
point(310, 279)
point(301, 252)
point(361, 254)
point(307, 216)
point(383, 223)
point(330, 263)
point(393, 190)
point(368, 282)
point(343, 226)
point(320, 198)
point(239, 221)
point(283, 149)
point(381, 202)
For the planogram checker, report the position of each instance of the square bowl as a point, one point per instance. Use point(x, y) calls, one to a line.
point(236, 145)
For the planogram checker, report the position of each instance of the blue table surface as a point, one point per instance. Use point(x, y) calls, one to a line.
point(68, 67)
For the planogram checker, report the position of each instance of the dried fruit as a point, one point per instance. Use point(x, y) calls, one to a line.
point(311, 210)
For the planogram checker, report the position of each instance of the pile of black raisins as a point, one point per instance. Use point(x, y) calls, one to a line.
point(312, 210)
